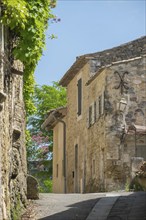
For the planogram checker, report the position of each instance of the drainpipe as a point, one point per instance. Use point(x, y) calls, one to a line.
point(64, 149)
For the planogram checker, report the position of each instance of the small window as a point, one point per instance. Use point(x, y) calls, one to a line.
point(90, 115)
point(62, 167)
point(95, 111)
point(100, 105)
point(57, 171)
point(79, 97)
point(93, 167)
point(97, 108)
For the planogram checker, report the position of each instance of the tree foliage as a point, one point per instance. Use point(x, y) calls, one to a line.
point(28, 20)
point(45, 98)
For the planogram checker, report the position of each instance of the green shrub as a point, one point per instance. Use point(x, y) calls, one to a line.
point(46, 186)
point(44, 180)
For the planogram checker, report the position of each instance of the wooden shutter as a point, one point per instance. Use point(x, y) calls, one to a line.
point(90, 115)
point(102, 103)
point(97, 108)
point(95, 111)
point(93, 117)
point(79, 97)
point(88, 121)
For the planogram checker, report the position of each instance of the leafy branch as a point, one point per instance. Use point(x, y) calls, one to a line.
point(28, 20)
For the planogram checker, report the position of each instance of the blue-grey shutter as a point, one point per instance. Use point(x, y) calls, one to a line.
point(93, 112)
point(97, 108)
point(102, 103)
point(79, 97)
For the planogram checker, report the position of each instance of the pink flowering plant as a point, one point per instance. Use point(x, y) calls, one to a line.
point(39, 147)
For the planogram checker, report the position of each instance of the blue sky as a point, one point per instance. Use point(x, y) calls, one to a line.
point(88, 26)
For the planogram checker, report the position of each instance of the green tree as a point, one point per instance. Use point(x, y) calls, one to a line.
point(45, 98)
point(27, 21)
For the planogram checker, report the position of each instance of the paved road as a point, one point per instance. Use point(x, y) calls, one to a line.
point(65, 206)
point(96, 206)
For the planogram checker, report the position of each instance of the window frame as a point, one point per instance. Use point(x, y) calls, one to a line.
point(79, 97)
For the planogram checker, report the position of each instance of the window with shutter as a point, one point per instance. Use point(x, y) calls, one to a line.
point(100, 105)
point(90, 115)
point(97, 108)
point(57, 169)
point(93, 114)
point(95, 111)
point(79, 97)
point(88, 122)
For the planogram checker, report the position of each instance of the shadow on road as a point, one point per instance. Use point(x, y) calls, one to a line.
point(76, 211)
point(126, 207)
point(129, 207)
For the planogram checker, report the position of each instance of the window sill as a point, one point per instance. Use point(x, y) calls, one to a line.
point(79, 117)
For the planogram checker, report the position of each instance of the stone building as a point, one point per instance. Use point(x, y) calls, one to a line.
point(105, 121)
point(12, 132)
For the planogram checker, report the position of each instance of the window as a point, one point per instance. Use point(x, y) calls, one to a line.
point(79, 97)
point(97, 108)
point(93, 167)
point(90, 115)
point(62, 167)
point(95, 111)
point(57, 171)
point(100, 105)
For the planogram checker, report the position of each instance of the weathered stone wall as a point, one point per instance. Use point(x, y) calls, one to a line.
point(97, 150)
point(103, 161)
point(77, 134)
point(12, 142)
point(119, 154)
point(96, 136)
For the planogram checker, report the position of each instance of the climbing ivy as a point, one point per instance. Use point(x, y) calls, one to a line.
point(28, 20)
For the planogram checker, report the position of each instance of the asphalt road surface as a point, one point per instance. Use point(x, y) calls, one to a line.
point(66, 206)
point(93, 206)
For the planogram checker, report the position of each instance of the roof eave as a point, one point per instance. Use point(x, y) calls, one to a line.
point(73, 70)
point(51, 120)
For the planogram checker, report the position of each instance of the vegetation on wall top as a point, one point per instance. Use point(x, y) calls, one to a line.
point(28, 20)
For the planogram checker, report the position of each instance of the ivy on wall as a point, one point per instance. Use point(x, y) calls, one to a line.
point(28, 20)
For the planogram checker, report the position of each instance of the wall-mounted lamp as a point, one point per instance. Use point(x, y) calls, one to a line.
point(122, 105)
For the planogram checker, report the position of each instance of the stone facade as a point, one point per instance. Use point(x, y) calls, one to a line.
point(12, 134)
point(101, 140)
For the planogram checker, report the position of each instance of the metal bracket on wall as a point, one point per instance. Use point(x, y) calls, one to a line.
point(123, 84)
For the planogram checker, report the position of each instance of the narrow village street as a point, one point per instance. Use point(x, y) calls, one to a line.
point(95, 206)
point(72, 110)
